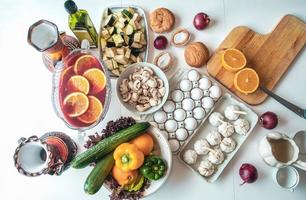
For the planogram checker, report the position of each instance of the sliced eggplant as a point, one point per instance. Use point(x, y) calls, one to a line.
point(110, 44)
point(121, 59)
point(111, 30)
point(137, 37)
point(136, 45)
point(103, 43)
point(127, 53)
point(115, 64)
point(109, 64)
point(118, 39)
point(120, 51)
point(129, 29)
point(109, 11)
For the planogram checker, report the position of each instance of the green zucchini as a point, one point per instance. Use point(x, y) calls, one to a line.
point(109, 144)
point(98, 174)
point(110, 20)
point(127, 13)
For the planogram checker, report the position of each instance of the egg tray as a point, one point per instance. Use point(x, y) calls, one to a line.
point(225, 101)
point(180, 128)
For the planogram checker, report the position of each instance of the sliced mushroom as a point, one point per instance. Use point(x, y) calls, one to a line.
point(153, 101)
point(142, 108)
point(135, 96)
point(126, 97)
point(160, 83)
point(152, 83)
point(137, 85)
point(162, 91)
point(143, 100)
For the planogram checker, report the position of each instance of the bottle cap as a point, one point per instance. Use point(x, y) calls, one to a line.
point(70, 6)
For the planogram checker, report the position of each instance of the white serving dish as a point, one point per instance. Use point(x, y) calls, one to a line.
point(158, 72)
point(162, 149)
point(225, 101)
point(144, 23)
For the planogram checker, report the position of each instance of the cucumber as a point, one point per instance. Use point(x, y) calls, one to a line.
point(98, 174)
point(109, 144)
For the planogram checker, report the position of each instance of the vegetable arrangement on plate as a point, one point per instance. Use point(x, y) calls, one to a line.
point(123, 39)
point(123, 158)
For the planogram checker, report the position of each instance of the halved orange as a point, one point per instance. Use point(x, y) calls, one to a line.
point(96, 79)
point(78, 83)
point(246, 81)
point(75, 104)
point(233, 60)
point(94, 111)
point(84, 63)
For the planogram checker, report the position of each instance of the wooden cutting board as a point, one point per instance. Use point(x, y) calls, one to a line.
point(270, 55)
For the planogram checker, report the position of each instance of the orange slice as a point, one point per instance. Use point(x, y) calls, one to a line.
point(94, 111)
point(78, 83)
point(96, 79)
point(75, 104)
point(233, 60)
point(66, 74)
point(84, 63)
point(246, 81)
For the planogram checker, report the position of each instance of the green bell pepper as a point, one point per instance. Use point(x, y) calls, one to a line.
point(153, 168)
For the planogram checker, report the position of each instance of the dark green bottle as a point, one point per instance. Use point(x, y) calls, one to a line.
point(80, 23)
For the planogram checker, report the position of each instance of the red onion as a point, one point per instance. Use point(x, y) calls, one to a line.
point(248, 173)
point(160, 42)
point(201, 20)
point(268, 120)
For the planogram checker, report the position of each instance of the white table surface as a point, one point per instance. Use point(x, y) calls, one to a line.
point(26, 107)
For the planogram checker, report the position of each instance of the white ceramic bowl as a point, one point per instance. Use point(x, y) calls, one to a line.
point(162, 149)
point(158, 72)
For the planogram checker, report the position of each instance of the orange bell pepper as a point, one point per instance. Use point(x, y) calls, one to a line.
point(128, 157)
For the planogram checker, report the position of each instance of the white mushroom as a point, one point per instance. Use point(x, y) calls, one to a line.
point(135, 96)
point(136, 85)
point(152, 83)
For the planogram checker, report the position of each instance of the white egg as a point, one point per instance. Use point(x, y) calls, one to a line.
point(188, 104)
point(179, 115)
point(190, 123)
point(181, 134)
point(186, 85)
point(160, 117)
point(177, 95)
point(207, 102)
point(174, 145)
point(196, 93)
point(193, 75)
point(204, 83)
point(215, 91)
point(169, 106)
point(199, 113)
point(165, 134)
point(171, 125)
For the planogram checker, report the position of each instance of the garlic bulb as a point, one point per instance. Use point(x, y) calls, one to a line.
point(213, 138)
point(216, 118)
point(226, 129)
point(216, 156)
point(206, 168)
point(190, 156)
point(228, 145)
point(200, 146)
point(242, 126)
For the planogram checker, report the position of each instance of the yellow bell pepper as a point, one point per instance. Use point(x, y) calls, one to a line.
point(128, 157)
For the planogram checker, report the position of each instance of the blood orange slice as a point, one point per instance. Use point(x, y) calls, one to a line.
point(94, 111)
point(96, 79)
point(246, 81)
point(66, 74)
point(78, 83)
point(84, 63)
point(75, 104)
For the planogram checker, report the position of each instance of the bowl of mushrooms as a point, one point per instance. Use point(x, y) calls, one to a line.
point(142, 88)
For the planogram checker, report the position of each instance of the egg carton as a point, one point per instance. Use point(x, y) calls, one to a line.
point(191, 98)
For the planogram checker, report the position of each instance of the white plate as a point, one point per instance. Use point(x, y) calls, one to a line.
point(144, 23)
point(158, 72)
point(162, 149)
point(225, 101)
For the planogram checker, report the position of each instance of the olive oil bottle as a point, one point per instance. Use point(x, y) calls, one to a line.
point(80, 23)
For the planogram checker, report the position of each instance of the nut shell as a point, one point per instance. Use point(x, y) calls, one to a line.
point(161, 20)
point(196, 54)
